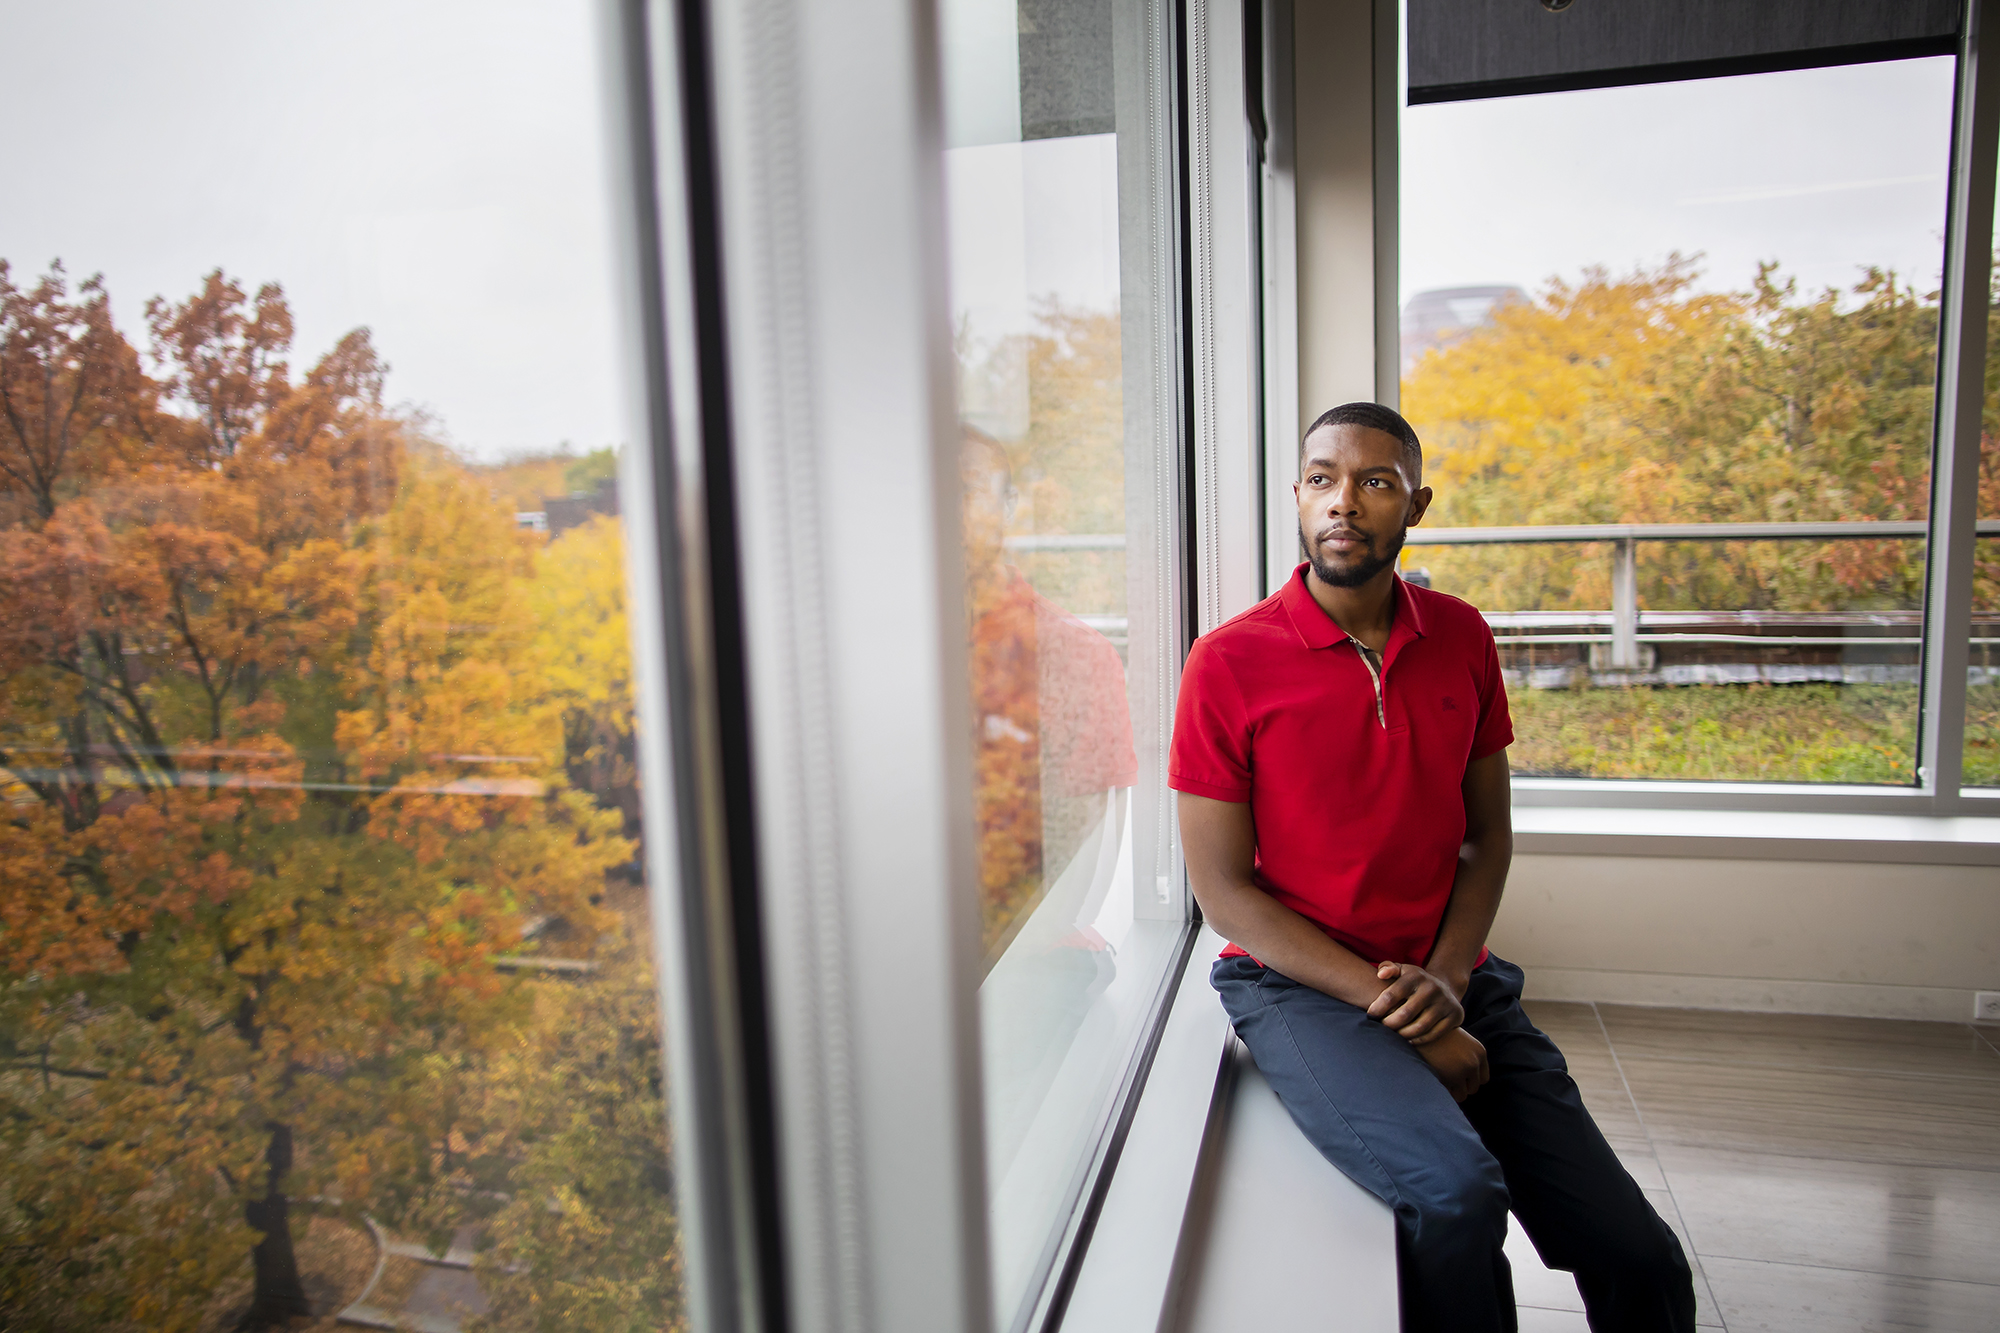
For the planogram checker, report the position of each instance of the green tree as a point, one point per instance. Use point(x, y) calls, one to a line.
point(597, 468)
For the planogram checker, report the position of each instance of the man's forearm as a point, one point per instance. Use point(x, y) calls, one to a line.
point(1220, 840)
point(1286, 942)
point(1475, 901)
point(1482, 871)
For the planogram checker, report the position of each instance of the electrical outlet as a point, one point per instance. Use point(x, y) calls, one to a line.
point(1986, 1006)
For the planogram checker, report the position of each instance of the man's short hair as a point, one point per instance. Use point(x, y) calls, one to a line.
point(1375, 417)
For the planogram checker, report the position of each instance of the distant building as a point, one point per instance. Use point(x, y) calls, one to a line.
point(561, 513)
point(537, 519)
point(1441, 317)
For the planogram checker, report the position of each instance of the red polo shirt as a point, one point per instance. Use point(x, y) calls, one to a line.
point(1359, 810)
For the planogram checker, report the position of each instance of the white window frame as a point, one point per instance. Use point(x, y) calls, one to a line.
point(798, 602)
point(1939, 794)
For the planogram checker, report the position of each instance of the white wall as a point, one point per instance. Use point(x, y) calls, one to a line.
point(1345, 202)
point(1824, 937)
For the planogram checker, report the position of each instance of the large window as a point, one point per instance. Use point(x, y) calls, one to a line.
point(1982, 683)
point(1672, 350)
point(1054, 235)
point(325, 983)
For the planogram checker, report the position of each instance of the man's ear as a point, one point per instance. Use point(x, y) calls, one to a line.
point(1420, 500)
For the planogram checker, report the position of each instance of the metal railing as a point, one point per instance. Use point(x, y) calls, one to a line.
point(1624, 618)
point(1626, 652)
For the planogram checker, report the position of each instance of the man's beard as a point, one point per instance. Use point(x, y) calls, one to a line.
point(1353, 576)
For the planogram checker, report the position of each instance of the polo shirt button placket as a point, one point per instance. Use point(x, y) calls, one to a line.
point(1370, 660)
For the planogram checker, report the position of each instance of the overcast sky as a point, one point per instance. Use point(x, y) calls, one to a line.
point(1029, 220)
point(1824, 170)
point(432, 170)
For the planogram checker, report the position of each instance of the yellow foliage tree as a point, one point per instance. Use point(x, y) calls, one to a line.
point(583, 656)
point(1639, 399)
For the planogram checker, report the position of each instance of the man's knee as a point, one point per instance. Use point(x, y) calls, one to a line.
point(1460, 1204)
point(1646, 1256)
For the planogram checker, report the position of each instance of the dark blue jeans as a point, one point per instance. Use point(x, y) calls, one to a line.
point(1370, 1104)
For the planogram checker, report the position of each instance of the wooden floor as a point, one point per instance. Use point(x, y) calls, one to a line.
point(1824, 1174)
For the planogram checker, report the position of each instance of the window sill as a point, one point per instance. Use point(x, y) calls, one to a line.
point(1130, 1267)
point(1775, 835)
point(1219, 1204)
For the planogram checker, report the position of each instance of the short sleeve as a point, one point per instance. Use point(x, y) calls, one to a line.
point(1210, 755)
point(1496, 724)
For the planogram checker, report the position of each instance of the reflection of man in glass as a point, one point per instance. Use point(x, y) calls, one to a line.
point(1054, 739)
point(1053, 761)
point(1340, 754)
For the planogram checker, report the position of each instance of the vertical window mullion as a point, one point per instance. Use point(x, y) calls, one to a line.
point(708, 949)
point(1960, 408)
point(828, 192)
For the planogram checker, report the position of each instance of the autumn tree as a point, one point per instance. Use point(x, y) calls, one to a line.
point(281, 793)
point(225, 365)
point(589, 1238)
point(1641, 399)
point(70, 388)
point(583, 659)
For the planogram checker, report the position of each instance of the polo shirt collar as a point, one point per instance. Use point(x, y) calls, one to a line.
point(1318, 629)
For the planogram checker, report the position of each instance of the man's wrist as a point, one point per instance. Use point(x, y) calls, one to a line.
point(1455, 977)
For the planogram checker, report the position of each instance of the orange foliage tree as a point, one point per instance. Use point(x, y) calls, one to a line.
point(279, 792)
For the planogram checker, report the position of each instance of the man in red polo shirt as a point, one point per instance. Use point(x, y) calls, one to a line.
point(1340, 750)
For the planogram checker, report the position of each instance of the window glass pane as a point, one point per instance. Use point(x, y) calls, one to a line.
point(1982, 677)
point(1710, 302)
point(325, 986)
point(1049, 212)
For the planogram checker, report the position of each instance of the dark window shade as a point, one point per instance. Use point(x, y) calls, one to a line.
point(1462, 49)
point(1066, 81)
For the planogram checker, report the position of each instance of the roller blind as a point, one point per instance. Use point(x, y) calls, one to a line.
point(1462, 49)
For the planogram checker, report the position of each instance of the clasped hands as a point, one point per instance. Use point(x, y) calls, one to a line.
point(1423, 1009)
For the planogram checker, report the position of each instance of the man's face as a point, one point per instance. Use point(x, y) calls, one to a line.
point(1356, 498)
